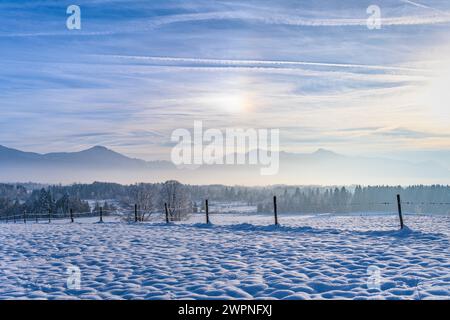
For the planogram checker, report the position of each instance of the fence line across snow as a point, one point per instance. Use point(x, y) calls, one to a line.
point(139, 216)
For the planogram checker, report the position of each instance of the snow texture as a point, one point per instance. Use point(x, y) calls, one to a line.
point(237, 257)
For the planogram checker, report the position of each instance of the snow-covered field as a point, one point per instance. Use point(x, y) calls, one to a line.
point(239, 256)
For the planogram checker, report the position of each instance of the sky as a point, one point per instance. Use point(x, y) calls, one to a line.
point(138, 70)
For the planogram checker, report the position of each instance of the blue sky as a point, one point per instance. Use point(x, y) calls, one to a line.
point(137, 70)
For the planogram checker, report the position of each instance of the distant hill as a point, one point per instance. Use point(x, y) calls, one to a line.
point(321, 167)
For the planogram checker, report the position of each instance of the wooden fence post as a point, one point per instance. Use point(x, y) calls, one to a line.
point(167, 212)
point(275, 209)
point(49, 216)
point(71, 216)
point(135, 213)
point(14, 217)
point(101, 214)
point(400, 215)
point(207, 211)
point(24, 217)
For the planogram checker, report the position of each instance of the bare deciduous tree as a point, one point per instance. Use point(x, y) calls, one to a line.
point(146, 197)
point(177, 198)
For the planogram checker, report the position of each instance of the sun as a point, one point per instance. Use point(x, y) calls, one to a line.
point(234, 104)
point(435, 95)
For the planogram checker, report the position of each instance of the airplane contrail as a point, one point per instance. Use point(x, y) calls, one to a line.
point(419, 5)
point(230, 62)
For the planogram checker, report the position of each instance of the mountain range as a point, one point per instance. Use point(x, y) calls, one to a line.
point(321, 167)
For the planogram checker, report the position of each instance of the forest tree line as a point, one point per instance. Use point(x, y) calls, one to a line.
point(182, 199)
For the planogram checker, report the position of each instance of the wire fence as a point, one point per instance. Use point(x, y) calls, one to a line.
point(174, 214)
point(39, 216)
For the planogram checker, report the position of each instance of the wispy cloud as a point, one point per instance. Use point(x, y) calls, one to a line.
point(256, 15)
point(410, 134)
point(291, 20)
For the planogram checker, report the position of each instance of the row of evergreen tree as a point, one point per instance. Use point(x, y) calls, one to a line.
point(151, 197)
point(41, 202)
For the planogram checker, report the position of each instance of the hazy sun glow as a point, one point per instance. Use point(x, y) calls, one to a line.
point(237, 103)
point(436, 95)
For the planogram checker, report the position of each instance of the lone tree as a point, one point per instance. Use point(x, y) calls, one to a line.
point(145, 196)
point(177, 198)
